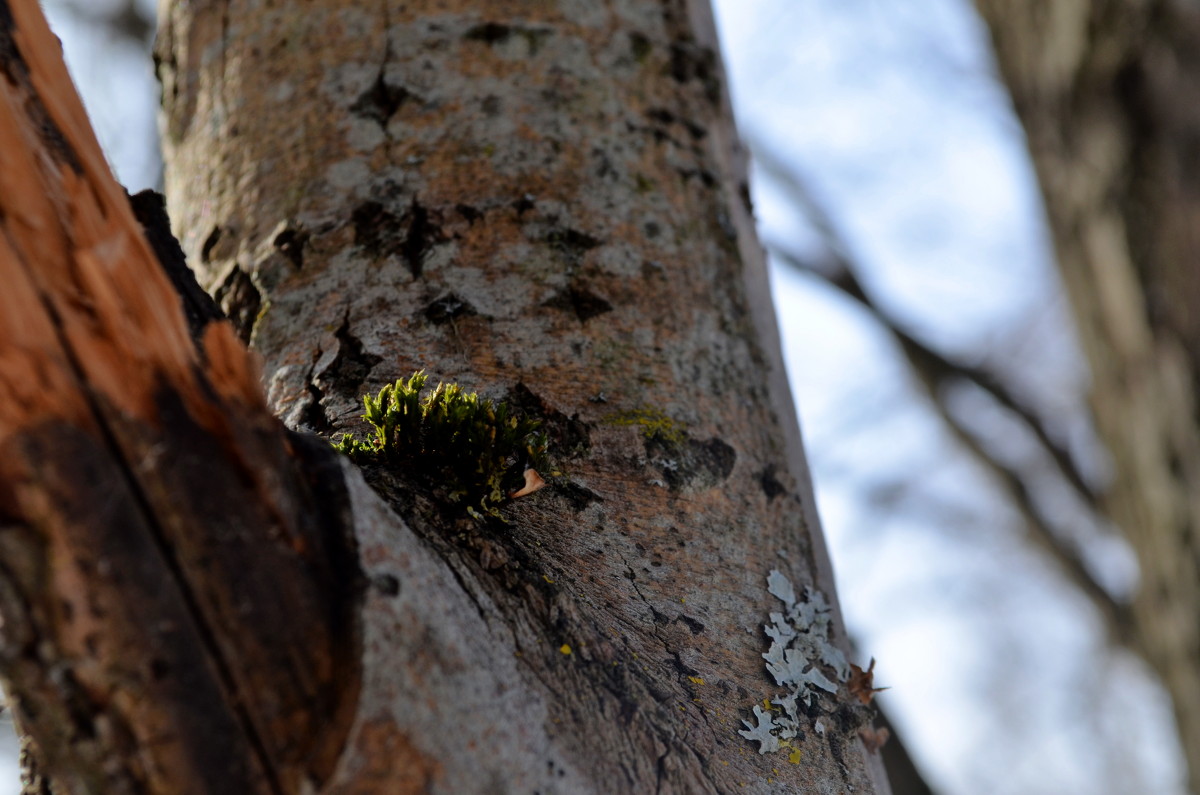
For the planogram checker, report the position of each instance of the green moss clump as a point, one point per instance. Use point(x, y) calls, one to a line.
point(654, 425)
point(474, 449)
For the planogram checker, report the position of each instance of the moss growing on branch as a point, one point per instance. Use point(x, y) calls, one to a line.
point(476, 450)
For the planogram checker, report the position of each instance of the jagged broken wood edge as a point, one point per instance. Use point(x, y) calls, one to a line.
point(138, 481)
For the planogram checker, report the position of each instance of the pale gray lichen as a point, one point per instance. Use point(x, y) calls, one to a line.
point(780, 586)
point(766, 732)
point(799, 644)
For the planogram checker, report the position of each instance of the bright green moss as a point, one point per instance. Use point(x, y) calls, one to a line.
point(654, 424)
point(474, 449)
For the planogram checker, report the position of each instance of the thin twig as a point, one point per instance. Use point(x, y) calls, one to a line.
point(933, 372)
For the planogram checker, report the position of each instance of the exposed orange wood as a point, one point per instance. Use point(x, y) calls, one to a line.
point(138, 481)
point(77, 268)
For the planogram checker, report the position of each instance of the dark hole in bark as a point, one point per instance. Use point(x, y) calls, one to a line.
point(489, 33)
point(448, 307)
point(210, 243)
point(381, 101)
point(290, 243)
point(240, 300)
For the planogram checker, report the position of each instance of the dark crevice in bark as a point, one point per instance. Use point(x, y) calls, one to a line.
point(241, 301)
point(381, 101)
point(411, 235)
point(386, 584)
point(571, 244)
point(353, 364)
point(523, 205)
point(666, 117)
point(314, 417)
point(660, 771)
point(290, 242)
point(376, 230)
point(489, 33)
point(770, 484)
point(210, 242)
point(578, 497)
point(493, 33)
point(150, 209)
point(569, 436)
point(691, 464)
point(446, 309)
point(420, 237)
point(580, 301)
point(690, 61)
point(694, 626)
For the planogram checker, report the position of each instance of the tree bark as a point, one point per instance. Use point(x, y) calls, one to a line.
point(547, 204)
point(1109, 94)
point(137, 478)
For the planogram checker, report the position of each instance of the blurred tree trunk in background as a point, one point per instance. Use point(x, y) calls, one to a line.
point(1109, 94)
point(547, 204)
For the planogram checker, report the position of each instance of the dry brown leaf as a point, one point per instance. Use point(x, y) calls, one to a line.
point(533, 482)
point(862, 683)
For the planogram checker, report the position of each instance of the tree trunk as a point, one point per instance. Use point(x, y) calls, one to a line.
point(548, 205)
point(1109, 94)
point(137, 478)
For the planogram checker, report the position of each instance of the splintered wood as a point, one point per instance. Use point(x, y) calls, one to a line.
point(138, 480)
point(84, 301)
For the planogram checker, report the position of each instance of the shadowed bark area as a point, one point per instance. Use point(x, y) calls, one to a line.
point(1109, 94)
point(177, 583)
point(546, 203)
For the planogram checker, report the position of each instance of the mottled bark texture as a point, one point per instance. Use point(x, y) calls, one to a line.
point(545, 202)
point(1109, 93)
point(176, 577)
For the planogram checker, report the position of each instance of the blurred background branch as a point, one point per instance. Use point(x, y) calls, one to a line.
point(939, 376)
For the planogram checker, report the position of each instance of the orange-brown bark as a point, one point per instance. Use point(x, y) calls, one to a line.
point(175, 592)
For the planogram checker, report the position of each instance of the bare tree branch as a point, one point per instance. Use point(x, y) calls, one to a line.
point(840, 270)
point(935, 372)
